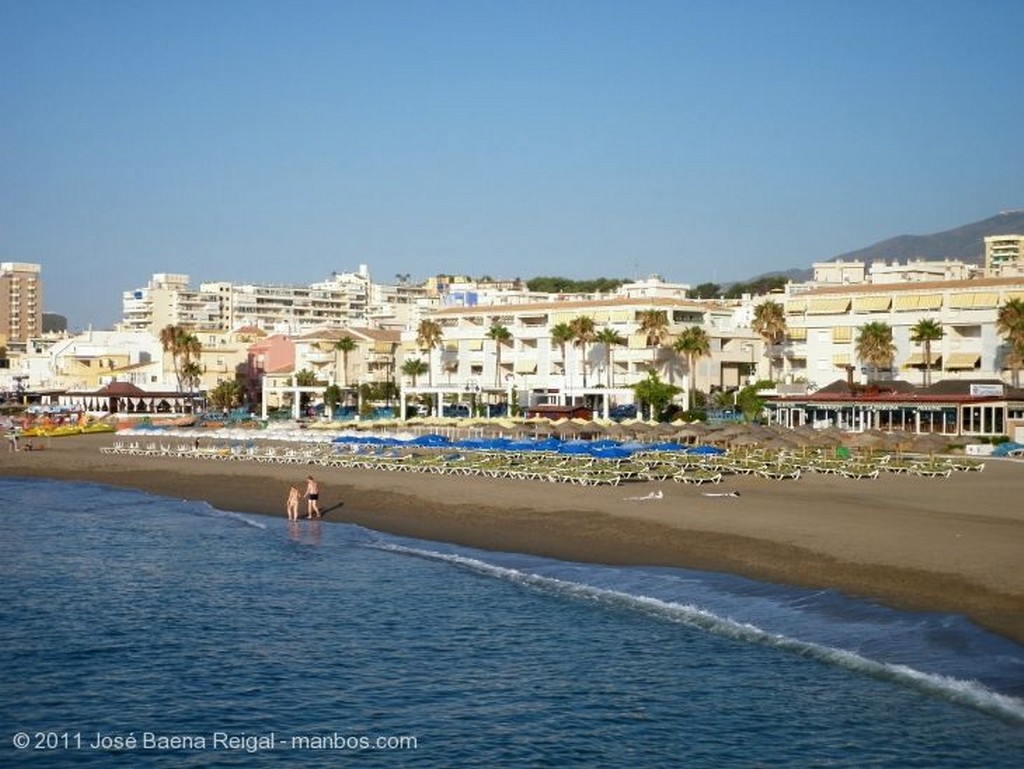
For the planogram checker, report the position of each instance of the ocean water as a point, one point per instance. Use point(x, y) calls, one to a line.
point(145, 631)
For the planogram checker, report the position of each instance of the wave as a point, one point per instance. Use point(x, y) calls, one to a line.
point(967, 693)
point(205, 508)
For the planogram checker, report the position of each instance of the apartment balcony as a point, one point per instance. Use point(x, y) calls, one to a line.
point(320, 357)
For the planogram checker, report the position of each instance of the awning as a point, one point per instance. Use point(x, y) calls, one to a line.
point(525, 366)
point(841, 359)
point(929, 302)
point(961, 360)
point(959, 301)
point(830, 306)
point(474, 345)
point(384, 347)
point(796, 334)
point(1009, 295)
point(842, 334)
point(637, 341)
point(917, 359)
point(904, 303)
point(871, 303)
point(796, 306)
point(622, 316)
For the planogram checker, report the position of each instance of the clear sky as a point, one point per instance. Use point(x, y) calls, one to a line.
point(256, 141)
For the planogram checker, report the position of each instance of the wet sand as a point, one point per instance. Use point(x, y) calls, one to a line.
point(952, 545)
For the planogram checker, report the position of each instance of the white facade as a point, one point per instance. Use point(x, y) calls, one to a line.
point(823, 325)
point(532, 364)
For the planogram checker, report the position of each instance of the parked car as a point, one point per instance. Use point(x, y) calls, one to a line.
point(623, 412)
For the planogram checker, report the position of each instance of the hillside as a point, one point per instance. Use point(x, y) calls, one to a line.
point(965, 243)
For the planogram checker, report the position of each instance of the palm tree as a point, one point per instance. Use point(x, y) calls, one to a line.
point(428, 337)
point(345, 345)
point(501, 335)
point(609, 337)
point(653, 324)
point(693, 343)
point(562, 334)
point(304, 378)
point(183, 346)
point(926, 331)
point(770, 324)
point(414, 367)
point(1010, 324)
point(583, 331)
point(874, 345)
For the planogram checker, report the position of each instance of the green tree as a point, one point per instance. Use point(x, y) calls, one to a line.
point(609, 338)
point(874, 345)
point(749, 400)
point(414, 367)
point(428, 336)
point(345, 345)
point(332, 397)
point(707, 291)
point(583, 332)
point(654, 393)
point(561, 335)
point(184, 348)
point(1010, 325)
point(924, 332)
point(653, 324)
point(226, 395)
point(500, 335)
point(770, 324)
point(693, 343)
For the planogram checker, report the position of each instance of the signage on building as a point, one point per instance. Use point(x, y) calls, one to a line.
point(987, 390)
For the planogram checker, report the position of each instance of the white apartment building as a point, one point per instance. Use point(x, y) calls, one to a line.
point(823, 322)
point(854, 273)
point(536, 368)
point(343, 299)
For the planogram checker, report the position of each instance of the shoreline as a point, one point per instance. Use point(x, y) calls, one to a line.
point(949, 545)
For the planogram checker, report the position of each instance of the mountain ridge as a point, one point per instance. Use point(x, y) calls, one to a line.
point(965, 243)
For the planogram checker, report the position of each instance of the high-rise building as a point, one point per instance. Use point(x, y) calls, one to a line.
point(21, 302)
point(1003, 253)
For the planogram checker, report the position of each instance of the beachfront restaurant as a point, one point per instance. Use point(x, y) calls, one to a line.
point(952, 407)
point(128, 399)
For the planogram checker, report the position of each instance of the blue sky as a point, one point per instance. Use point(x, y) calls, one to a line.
point(703, 141)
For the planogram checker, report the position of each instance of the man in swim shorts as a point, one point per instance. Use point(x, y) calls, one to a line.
point(312, 495)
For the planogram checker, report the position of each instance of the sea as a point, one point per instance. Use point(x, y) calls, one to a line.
point(139, 630)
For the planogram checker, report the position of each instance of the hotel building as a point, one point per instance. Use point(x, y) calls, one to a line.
point(21, 302)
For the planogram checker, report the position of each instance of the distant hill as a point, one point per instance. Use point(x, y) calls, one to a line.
point(966, 243)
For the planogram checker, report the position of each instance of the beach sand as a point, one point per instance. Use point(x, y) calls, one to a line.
point(952, 545)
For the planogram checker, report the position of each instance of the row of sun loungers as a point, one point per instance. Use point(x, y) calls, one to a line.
point(580, 470)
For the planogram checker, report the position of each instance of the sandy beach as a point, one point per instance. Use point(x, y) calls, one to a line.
point(949, 544)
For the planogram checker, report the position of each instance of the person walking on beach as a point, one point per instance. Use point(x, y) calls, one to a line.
point(12, 440)
point(293, 503)
point(312, 495)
